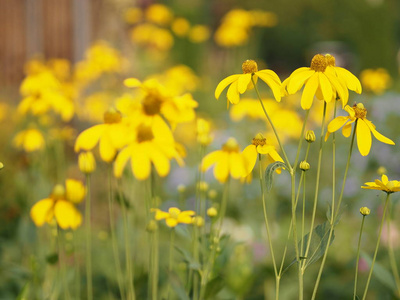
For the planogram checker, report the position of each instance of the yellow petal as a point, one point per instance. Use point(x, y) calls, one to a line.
point(42, 211)
point(119, 134)
point(250, 157)
point(67, 215)
point(336, 123)
point(385, 179)
point(160, 214)
point(121, 160)
point(140, 162)
point(275, 156)
point(309, 91)
point(106, 147)
point(352, 81)
point(377, 135)
point(75, 190)
point(364, 139)
point(326, 87)
point(186, 217)
point(346, 131)
point(342, 92)
point(88, 139)
point(350, 111)
point(297, 79)
point(233, 93)
point(224, 83)
point(221, 169)
point(174, 211)
point(243, 82)
point(160, 161)
point(171, 222)
point(161, 130)
point(271, 74)
point(132, 82)
point(210, 159)
point(236, 166)
point(271, 82)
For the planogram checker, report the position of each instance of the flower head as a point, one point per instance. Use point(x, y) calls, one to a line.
point(29, 140)
point(239, 83)
point(86, 162)
point(60, 205)
point(365, 211)
point(383, 185)
point(363, 130)
point(174, 216)
point(376, 80)
point(318, 80)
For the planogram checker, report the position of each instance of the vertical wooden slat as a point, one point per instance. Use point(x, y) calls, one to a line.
point(82, 27)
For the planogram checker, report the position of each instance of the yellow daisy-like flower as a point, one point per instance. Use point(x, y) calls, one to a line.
point(174, 216)
point(150, 146)
point(29, 140)
point(259, 145)
point(363, 130)
point(60, 205)
point(239, 83)
point(318, 81)
point(376, 80)
point(228, 162)
point(383, 185)
point(111, 136)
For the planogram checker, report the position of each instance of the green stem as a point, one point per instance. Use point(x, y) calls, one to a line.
point(267, 226)
point(333, 168)
point(303, 214)
point(392, 257)
point(336, 213)
point(296, 161)
point(272, 125)
point(88, 241)
point(77, 265)
point(171, 255)
point(62, 264)
point(154, 235)
point(377, 246)
point(358, 258)
point(114, 241)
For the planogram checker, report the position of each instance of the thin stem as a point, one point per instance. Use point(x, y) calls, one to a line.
point(336, 213)
point(272, 125)
point(358, 258)
point(392, 257)
point(88, 241)
point(267, 226)
point(333, 168)
point(171, 255)
point(303, 214)
point(114, 241)
point(296, 161)
point(377, 246)
point(62, 264)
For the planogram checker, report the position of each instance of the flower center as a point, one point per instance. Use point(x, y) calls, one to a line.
point(249, 66)
point(144, 133)
point(112, 116)
point(152, 104)
point(58, 192)
point(231, 145)
point(319, 63)
point(360, 111)
point(259, 140)
point(174, 214)
point(330, 60)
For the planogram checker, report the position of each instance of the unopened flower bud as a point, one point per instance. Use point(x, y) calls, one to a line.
point(304, 165)
point(365, 211)
point(310, 136)
point(1, 165)
point(212, 194)
point(152, 226)
point(212, 212)
point(381, 170)
point(87, 163)
point(181, 188)
point(198, 221)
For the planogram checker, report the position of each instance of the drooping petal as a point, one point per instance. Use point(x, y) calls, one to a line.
point(171, 222)
point(271, 74)
point(243, 82)
point(121, 160)
point(265, 149)
point(140, 162)
point(224, 83)
point(233, 93)
point(210, 159)
point(67, 215)
point(160, 161)
point(221, 169)
point(161, 130)
point(271, 82)
point(342, 92)
point(364, 140)
point(350, 111)
point(377, 135)
point(309, 91)
point(346, 131)
point(106, 148)
point(75, 190)
point(352, 81)
point(250, 157)
point(297, 79)
point(336, 123)
point(88, 139)
point(275, 156)
point(42, 211)
point(236, 166)
point(326, 87)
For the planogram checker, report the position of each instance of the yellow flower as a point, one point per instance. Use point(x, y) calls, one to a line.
point(29, 140)
point(239, 83)
point(383, 185)
point(363, 130)
point(60, 205)
point(199, 34)
point(159, 14)
point(203, 132)
point(150, 147)
point(180, 26)
point(1, 165)
point(87, 163)
point(228, 162)
point(259, 145)
point(318, 81)
point(365, 211)
point(174, 216)
point(111, 136)
point(376, 80)
point(133, 15)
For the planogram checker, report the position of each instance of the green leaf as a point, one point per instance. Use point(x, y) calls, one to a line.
point(24, 292)
point(269, 172)
point(177, 286)
point(52, 258)
point(188, 258)
point(213, 287)
point(319, 242)
point(381, 273)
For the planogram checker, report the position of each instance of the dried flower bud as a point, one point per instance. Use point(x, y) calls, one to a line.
point(304, 165)
point(365, 211)
point(310, 136)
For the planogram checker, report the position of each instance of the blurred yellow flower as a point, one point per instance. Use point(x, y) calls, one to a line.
point(263, 18)
point(317, 81)
point(180, 26)
point(86, 162)
point(159, 14)
point(358, 113)
point(383, 185)
point(111, 136)
point(203, 132)
point(228, 162)
point(153, 37)
point(174, 216)
point(228, 36)
point(29, 140)
point(240, 83)
point(178, 79)
point(199, 33)
point(149, 147)
point(376, 80)
point(60, 205)
point(133, 15)
point(259, 145)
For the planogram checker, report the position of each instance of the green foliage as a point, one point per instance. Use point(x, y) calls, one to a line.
point(269, 172)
